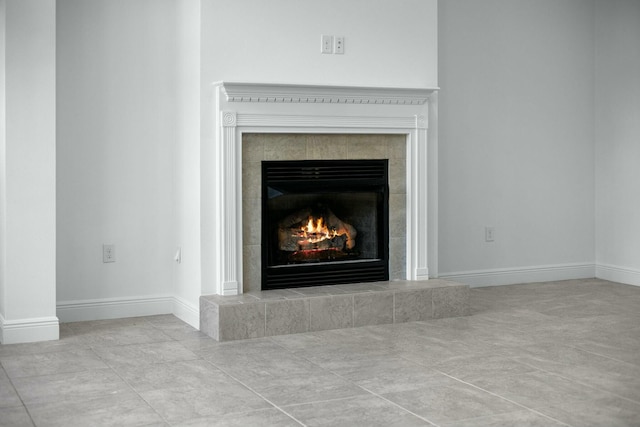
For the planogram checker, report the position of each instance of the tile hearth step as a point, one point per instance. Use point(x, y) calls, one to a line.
point(292, 311)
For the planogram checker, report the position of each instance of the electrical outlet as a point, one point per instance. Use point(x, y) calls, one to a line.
point(326, 44)
point(339, 46)
point(109, 253)
point(488, 234)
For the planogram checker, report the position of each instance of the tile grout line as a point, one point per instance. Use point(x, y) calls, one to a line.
point(504, 398)
point(601, 355)
point(107, 367)
point(483, 417)
point(24, 405)
point(369, 392)
point(573, 380)
point(141, 398)
point(255, 392)
point(131, 387)
point(200, 358)
point(364, 389)
point(400, 406)
point(351, 397)
point(337, 399)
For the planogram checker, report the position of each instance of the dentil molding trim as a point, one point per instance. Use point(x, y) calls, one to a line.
point(292, 93)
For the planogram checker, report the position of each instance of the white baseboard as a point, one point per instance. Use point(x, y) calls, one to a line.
point(615, 273)
point(511, 276)
point(113, 308)
point(28, 330)
point(116, 308)
point(186, 312)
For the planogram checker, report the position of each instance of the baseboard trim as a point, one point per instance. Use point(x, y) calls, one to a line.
point(616, 273)
point(116, 308)
point(511, 276)
point(186, 312)
point(29, 330)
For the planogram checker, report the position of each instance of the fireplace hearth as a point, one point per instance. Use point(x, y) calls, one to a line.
point(256, 122)
point(324, 222)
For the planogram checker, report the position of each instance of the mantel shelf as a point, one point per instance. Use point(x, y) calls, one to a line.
point(316, 94)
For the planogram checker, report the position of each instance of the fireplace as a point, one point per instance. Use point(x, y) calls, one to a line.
point(324, 222)
point(306, 122)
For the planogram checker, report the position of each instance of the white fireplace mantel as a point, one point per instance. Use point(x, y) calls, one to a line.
point(253, 92)
point(279, 108)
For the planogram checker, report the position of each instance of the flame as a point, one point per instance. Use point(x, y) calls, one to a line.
point(316, 231)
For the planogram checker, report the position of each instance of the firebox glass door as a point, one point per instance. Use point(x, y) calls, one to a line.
point(324, 222)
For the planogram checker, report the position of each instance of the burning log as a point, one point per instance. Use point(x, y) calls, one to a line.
point(336, 242)
point(302, 231)
point(295, 218)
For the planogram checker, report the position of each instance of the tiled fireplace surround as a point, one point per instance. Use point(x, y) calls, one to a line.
point(256, 122)
point(258, 147)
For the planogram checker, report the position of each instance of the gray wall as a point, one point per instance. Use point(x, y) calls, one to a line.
point(116, 99)
point(617, 139)
point(516, 145)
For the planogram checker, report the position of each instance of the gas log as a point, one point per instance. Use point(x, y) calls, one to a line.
point(303, 231)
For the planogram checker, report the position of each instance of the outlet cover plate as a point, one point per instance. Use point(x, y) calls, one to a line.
point(108, 253)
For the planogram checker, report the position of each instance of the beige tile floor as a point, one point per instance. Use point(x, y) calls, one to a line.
point(546, 354)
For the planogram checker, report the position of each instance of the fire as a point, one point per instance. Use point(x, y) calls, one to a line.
point(316, 231)
point(305, 231)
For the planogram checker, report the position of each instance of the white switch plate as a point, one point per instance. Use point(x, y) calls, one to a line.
point(326, 44)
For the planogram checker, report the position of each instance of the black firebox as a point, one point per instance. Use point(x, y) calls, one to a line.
point(324, 222)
